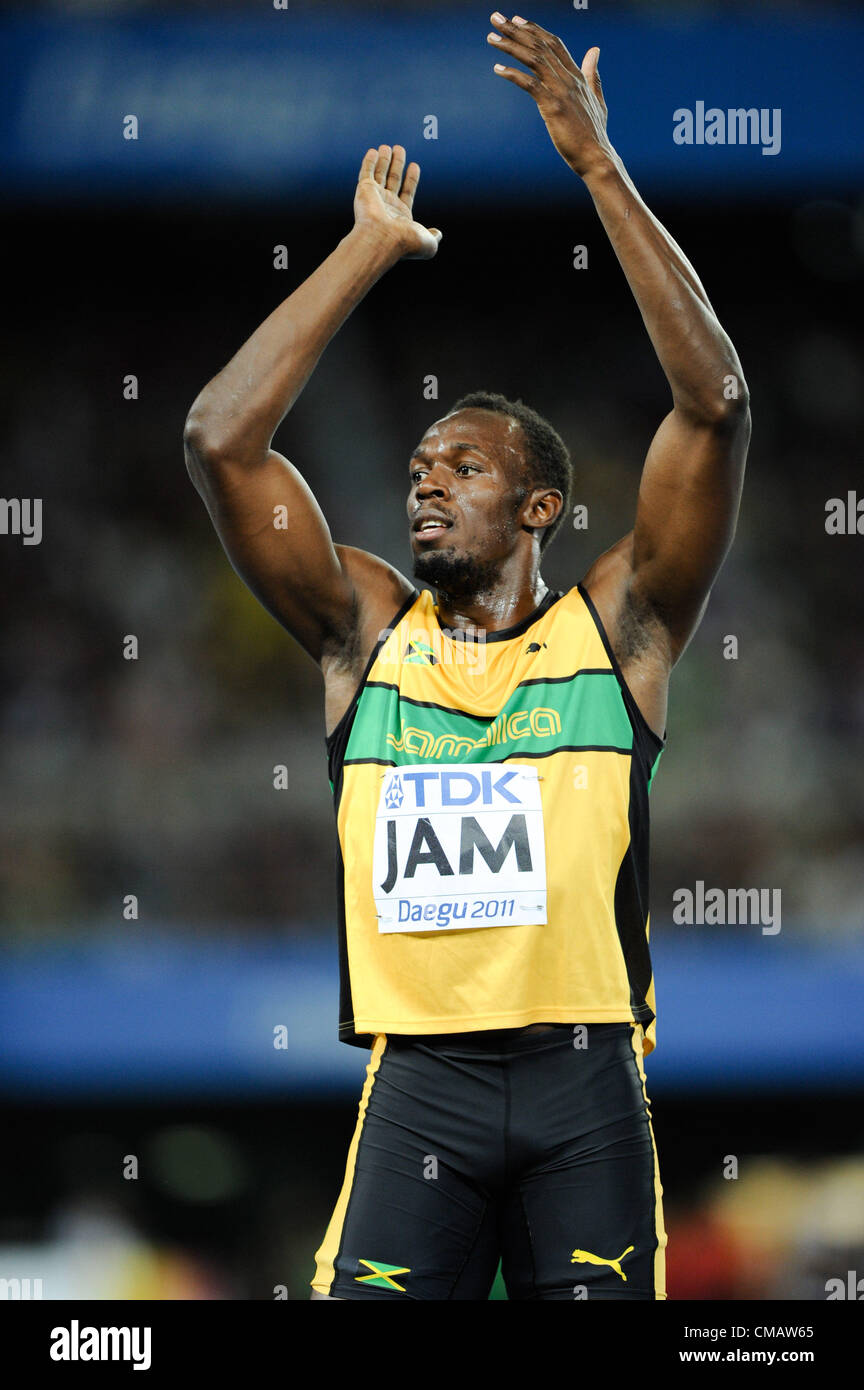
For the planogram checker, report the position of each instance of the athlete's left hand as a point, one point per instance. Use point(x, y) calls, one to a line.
point(569, 98)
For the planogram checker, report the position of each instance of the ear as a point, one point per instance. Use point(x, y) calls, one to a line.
point(542, 507)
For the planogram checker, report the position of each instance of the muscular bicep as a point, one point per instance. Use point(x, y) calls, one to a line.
point(278, 541)
point(686, 515)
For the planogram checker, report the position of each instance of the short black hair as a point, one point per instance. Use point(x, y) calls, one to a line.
point(547, 459)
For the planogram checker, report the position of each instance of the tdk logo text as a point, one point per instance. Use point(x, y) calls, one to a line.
point(459, 845)
point(454, 788)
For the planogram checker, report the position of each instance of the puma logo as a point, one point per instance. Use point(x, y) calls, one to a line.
point(584, 1257)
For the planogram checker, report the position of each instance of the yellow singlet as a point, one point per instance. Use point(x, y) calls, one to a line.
point(491, 798)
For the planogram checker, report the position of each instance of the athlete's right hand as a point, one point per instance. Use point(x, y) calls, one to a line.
point(383, 201)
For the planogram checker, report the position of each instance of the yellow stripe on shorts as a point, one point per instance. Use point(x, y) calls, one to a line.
point(325, 1271)
point(636, 1039)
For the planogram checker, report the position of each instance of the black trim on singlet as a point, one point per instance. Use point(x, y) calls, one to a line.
point(336, 743)
point(631, 897)
point(423, 704)
point(632, 883)
point(479, 718)
point(346, 1000)
point(505, 758)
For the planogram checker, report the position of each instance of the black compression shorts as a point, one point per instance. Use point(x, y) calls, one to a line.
point(535, 1149)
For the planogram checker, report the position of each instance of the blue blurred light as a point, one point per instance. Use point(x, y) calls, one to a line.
point(284, 103)
point(156, 1015)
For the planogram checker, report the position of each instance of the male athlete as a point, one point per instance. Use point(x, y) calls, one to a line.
point(491, 749)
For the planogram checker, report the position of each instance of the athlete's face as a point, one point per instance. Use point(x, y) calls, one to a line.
point(465, 497)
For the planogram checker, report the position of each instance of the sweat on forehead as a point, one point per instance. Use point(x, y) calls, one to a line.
point(483, 428)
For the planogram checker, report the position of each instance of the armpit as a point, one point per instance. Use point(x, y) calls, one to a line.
point(640, 629)
point(342, 649)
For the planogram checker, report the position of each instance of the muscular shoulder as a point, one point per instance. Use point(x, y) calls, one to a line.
point(378, 592)
point(373, 575)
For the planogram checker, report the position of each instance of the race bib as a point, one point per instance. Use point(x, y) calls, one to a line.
point(459, 847)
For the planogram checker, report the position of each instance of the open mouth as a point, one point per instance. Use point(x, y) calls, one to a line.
point(427, 528)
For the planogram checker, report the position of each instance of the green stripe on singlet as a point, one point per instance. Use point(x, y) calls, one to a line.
point(585, 710)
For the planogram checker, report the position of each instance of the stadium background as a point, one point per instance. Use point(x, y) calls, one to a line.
point(153, 1038)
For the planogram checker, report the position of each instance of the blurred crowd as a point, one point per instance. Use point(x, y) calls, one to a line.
point(783, 1230)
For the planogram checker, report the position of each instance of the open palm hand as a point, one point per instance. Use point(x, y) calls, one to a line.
point(384, 199)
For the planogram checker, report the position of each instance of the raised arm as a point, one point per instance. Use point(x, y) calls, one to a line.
point(265, 513)
point(691, 482)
